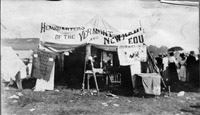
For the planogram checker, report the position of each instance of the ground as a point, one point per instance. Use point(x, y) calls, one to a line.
point(65, 101)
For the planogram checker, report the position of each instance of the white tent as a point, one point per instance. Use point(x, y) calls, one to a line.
point(11, 64)
point(23, 54)
point(100, 23)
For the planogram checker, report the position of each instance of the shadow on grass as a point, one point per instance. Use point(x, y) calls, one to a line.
point(194, 109)
point(77, 111)
point(176, 87)
point(197, 106)
point(29, 100)
point(184, 86)
point(29, 83)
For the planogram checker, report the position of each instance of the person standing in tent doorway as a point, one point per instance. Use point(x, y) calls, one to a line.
point(172, 69)
point(182, 63)
point(190, 66)
point(108, 67)
point(88, 65)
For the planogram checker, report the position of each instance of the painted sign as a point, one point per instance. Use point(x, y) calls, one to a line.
point(79, 35)
point(130, 54)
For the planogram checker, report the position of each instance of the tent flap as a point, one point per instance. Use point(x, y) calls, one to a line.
point(61, 47)
point(105, 47)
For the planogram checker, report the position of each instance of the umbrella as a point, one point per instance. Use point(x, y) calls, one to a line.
point(175, 48)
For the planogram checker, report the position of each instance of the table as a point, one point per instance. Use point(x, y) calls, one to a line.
point(150, 81)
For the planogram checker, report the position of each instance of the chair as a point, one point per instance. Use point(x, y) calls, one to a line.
point(115, 79)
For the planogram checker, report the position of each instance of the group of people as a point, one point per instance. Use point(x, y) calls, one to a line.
point(183, 67)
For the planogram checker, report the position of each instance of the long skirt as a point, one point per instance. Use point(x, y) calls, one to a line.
point(172, 73)
point(182, 73)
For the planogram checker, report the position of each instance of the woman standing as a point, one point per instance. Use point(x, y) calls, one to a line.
point(173, 75)
point(182, 72)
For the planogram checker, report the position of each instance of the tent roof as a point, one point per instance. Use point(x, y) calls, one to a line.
point(100, 23)
point(21, 43)
point(11, 64)
point(60, 47)
point(23, 54)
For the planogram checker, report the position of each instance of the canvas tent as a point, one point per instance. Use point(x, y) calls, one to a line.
point(64, 40)
point(98, 22)
point(11, 64)
point(24, 54)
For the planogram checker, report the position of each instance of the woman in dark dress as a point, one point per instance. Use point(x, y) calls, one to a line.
point(173, 75)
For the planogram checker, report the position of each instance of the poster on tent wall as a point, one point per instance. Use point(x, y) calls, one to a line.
point(42, 64)
point(62, 35)
point(104, 38)
point(131, 54)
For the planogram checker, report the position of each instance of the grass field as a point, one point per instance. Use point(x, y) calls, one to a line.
point(71, 102)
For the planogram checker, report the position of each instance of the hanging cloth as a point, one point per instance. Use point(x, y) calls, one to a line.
point(42, 64)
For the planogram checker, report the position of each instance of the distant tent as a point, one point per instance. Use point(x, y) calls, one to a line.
point(11, 64)
point(21, 43)
point(24, 54)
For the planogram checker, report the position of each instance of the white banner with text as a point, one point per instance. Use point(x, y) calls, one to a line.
point(131, 54)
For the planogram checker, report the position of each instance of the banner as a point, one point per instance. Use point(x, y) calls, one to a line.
point(62, 35)
point(95, 35)
point(80, 35)
point(60, 38)
point(131, 54)
point(132, 37)
point(73, 35)
point(45, 27)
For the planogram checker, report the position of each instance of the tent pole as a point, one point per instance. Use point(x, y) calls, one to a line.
point(88, 53)
point(83, 84)
point(157, 70)
point(88, 48)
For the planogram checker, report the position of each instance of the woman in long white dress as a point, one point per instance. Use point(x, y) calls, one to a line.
point(182, 72)
point(172, 69)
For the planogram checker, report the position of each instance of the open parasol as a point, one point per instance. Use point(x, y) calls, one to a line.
point(175, 48)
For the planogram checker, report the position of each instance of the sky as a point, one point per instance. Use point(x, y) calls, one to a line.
point(164, 24)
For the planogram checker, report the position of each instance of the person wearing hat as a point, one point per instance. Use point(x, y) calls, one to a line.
point(182, 63)
point(172, 69)
point(191, 60)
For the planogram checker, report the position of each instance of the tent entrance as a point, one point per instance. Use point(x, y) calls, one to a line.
point(69, 69)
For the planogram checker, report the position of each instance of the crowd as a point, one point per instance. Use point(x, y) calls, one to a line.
point(183, 67)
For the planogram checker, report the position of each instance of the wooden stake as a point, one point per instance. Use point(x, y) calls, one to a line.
point(169, 91)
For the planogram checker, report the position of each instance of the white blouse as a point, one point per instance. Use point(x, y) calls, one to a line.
point(172, 59)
